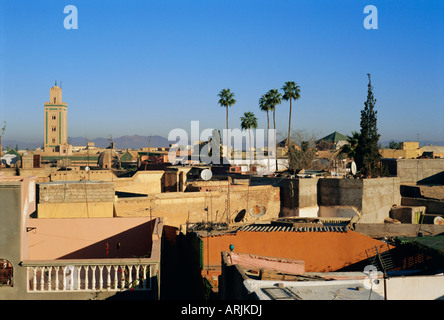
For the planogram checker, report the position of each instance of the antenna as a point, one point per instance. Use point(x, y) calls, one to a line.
point(148, 151)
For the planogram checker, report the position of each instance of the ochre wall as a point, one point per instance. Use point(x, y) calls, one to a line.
point(76, 210)
point(321, 251)
point(178, 207)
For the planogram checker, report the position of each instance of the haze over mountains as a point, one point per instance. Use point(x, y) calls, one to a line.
point(134, 142)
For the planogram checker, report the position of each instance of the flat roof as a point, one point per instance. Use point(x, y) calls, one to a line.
point(73, 182)
point(333, 286)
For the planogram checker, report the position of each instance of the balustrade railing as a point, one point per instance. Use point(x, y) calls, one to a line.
point(53, 276)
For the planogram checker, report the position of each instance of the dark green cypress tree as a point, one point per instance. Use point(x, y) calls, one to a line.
point(367, 152)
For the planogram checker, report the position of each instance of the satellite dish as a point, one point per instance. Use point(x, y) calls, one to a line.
point(438, 221)
point(257, 211)
point(87, 168)
point(353, 168)
point(206, 174)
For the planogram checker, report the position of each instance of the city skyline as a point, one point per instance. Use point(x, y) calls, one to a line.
point(146, 68)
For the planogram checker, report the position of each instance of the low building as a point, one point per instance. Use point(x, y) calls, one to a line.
point(407, 150)
point(417, 171)
point(249, 277)
point(93, 258)
point(325, 245)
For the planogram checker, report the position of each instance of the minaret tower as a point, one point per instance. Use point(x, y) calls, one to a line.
point(56, 120)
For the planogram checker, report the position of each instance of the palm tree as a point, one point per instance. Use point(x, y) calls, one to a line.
point(350, 148)
point(226, 100)
point(274, 98)
point(291, 91)
point(249, 121)
point(264, 106)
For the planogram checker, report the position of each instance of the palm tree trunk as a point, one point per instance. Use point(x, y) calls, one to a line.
point(227, 155)
point(289, 128)
point(268, 141)
point(251, 160)
point(275, 142)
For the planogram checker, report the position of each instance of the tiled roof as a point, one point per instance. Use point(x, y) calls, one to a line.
point(334, 137)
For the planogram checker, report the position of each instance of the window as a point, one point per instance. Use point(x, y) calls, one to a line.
point(53, 117)
point(53, 140)
point(53, 129)
point(5, 273)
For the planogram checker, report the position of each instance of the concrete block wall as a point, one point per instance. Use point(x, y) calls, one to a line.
point(75, 191)
point(144, 182)
point(371, 198)
point(428, 171)
point(298, 193)
point(378, 197)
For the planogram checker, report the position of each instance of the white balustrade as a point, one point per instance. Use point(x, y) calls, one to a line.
point(90, 277)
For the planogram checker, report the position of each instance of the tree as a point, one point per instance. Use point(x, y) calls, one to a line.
point(265, 106)
point(226, 100)
point(273, 99)
point(304, 156)
point(249, 121)
point(350, 148)
point(367, 151)
point(291, 92)
point(394, 145)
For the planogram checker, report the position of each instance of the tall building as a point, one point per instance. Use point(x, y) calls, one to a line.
point(56, 123)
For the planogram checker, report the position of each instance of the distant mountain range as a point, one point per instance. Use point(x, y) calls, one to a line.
point(135, 142)
point(421, 143)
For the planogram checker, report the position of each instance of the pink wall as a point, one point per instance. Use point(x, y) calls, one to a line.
point(258, 262)
point(92, 238)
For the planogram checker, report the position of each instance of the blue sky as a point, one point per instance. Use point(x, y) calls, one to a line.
point(147, 67)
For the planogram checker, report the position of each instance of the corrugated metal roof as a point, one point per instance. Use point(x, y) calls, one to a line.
point(273, 228)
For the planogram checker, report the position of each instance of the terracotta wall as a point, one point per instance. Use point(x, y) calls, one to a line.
point(321, 251)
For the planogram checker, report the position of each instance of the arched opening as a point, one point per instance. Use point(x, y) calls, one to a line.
point(240, 216)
